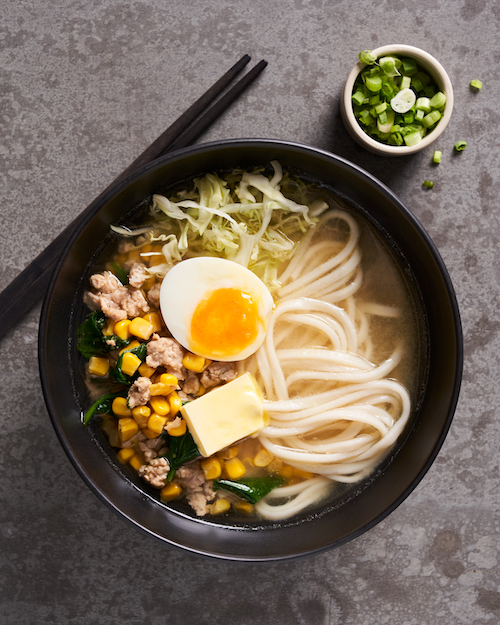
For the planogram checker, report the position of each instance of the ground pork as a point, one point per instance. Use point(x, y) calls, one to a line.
point(105, 282)
point(166, 352)
point(151, 448)
point(115, 300)
point(137, 275)
point(154, 294)
point(155, 472)
point(198, 491)
point(139, 393)
point(218, 373)
point(191, 384)
point(171, 425)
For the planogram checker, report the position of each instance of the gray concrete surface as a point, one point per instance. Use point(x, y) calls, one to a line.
point(85, 86)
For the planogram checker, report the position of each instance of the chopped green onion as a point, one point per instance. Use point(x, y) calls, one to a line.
point(476, 84)
point(428, 184)
point(358, 98)
point(423, 104)
point(405, 82)
point(403, 100)
point(380, 108)
point(431, 118)
point(384, 125)
point(438, 100)
point(389, 65)
point(367, 57)
point(409, 66)
point(436, 158)
point(413, 138)
point(374, 83)
point(460, 146)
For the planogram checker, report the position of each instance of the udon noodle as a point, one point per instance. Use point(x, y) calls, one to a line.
point(332, 411)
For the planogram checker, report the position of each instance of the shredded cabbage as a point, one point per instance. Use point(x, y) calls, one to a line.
point(250, 222)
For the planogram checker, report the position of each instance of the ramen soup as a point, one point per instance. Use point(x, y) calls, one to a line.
point(252, 346)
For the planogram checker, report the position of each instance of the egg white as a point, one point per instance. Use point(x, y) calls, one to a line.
point(193, 280)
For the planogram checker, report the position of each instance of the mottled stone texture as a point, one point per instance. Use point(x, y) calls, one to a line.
point(85, 86)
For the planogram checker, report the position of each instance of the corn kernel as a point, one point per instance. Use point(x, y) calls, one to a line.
point(122, 329)
point(274, 466)
point(175, 403)
point(158, 389)
point(120, 408)
point(220, 506)
point(262, 458)
point(244, 507)
point(141, 414)
point(234, 468)
point(193, 362)
point(148, 283)
point(131, 345)
point(141, 328)
point(127, 428)
point(212, 468)
point(156, 258)
point(98, 366)
point(125, 454)
point(156, 423)
point(149, 433)
point(136, 462)
point(286, 471)
point(109, 328)
point(134, 255)
point(201, 391)
point(169, 380)
point(155, 320)
point(130, 363)
point(306, 475)
point(146, 371)
point(160, 405)
point(179, 430)
point(170, 491)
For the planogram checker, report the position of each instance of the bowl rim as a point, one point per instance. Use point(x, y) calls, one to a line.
point(50, 305)
point(429, 63)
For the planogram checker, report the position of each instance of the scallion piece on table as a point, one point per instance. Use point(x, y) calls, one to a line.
point(460, 146)
point(476, 84)
point(428, 184)
point(436, 158)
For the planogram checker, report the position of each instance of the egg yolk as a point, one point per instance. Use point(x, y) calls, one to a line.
point(224, 324)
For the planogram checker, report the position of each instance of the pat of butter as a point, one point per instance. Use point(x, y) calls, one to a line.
point(225, 415)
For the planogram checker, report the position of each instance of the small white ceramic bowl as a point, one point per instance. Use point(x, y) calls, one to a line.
point(428, 64)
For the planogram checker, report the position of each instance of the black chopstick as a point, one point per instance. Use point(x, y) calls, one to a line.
point(31, 284)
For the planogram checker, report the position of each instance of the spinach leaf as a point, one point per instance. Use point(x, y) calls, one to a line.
point(122, 378)
point(181, 449)
point(251, 489)
point(102, 405)
point(120, 273)
point(90, 339)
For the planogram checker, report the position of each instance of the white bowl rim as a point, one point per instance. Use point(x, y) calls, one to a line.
point(376, 146)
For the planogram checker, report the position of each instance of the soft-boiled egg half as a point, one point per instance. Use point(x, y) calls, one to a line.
point(216, 308)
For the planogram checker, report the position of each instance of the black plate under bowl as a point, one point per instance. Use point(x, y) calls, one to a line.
point(224, 538)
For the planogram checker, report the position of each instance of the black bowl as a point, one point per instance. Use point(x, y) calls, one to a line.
point(331, 526)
